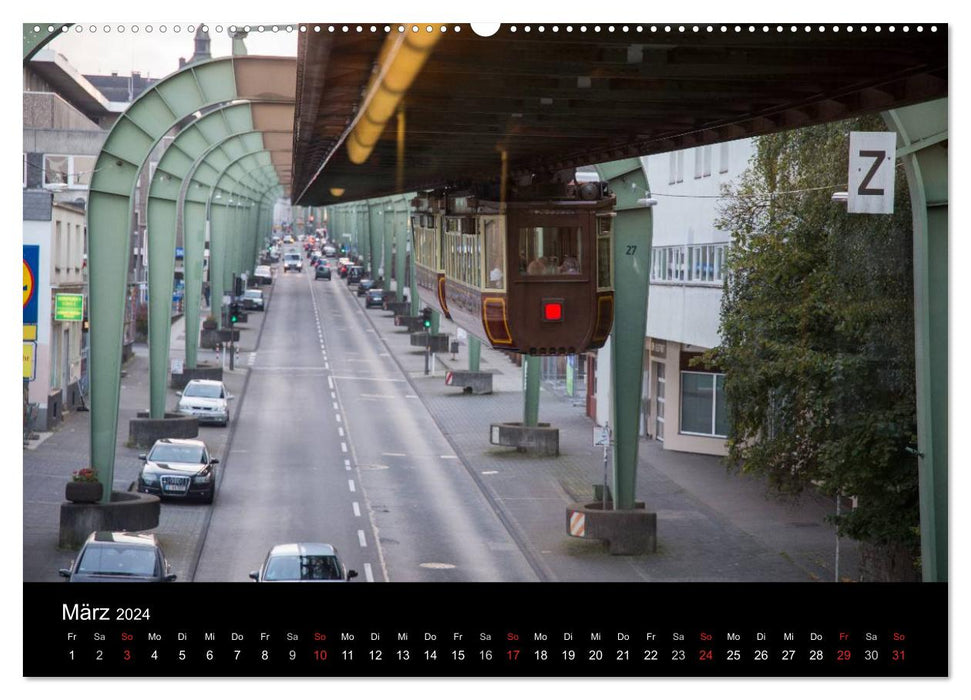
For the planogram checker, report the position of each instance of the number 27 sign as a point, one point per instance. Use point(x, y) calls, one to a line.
point(871, 177)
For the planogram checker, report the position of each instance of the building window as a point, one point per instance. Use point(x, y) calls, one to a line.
point(71, 171)
point(703, 408)
point(706, 166)
point(698, 159)
point(723, 157)
point(689, 264)
point(679, 175)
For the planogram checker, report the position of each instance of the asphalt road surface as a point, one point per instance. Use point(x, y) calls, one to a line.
point(332, 445)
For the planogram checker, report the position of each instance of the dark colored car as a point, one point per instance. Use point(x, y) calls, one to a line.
point(303, 561)
point(179, 469)
point(322, 273)
point(374, 297)
point(364, 285)
point(354, 274)
point(119, 557)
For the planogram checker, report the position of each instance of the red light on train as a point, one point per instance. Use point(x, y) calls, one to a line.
point(552, 310)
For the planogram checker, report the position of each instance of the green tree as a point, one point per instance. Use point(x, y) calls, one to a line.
point(817, 337)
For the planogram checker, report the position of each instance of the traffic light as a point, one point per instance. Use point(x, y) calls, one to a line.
point(426, 317)
point(233, 313)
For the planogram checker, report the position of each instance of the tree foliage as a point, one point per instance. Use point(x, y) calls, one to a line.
point(818, 333)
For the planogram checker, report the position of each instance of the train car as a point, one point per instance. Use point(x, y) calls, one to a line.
point(428, 213)
point(530, 275)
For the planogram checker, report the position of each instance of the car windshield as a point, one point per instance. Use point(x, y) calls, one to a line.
point(177, 453)
point(292, 256)
point(302, 568)
point(118, 560)
point(204, 391)
point(253, 294)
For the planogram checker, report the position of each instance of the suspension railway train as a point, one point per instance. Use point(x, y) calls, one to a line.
point(531, 275)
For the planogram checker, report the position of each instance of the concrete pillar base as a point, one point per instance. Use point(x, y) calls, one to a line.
point(128, 511)
point(469, 381)
point(201, 371)
point(540, 437)
point(144, 431)
point(623, 531)
point(437, 342)
point(398, 308)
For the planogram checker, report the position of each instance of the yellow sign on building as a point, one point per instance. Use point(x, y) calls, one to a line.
point(30, 361)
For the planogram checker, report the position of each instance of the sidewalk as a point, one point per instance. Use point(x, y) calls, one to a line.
point(712, 525)
point(48, 462)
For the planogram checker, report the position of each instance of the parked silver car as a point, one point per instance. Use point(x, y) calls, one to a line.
point(207, 400)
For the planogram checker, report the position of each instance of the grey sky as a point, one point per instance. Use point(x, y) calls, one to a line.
point(155, 53)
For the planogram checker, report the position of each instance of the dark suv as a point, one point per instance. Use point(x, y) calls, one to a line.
point(354, 274)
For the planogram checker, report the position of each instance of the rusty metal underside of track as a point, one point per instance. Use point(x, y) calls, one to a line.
point(556, 99)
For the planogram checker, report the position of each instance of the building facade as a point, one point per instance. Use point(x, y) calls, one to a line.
point(683, 402)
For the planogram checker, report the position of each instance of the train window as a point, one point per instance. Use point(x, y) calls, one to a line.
point(495, 254)
point(604, 253)
point(550, 250)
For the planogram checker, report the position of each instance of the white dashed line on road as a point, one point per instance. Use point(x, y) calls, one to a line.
point(340, 431)
point(357, 509)
point(368, 574)
point(330, 383)
point(361, 538)
point(350, 485)
point(343, 447)
point(338, 417)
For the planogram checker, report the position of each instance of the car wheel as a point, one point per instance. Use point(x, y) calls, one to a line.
point(209, 499)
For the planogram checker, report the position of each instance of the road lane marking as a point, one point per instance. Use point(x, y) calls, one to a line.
point(370, 379)
point(340, 431)
point(393, 454)
point(326, 366)
point(343, 447)
point(336, 407)
point(338, 417)
point(350, 485)
point(357, 509)
point(368, 574)
point(333, 394)
point(330, 382)
point(361, 538)
point(347, 462)
point(449, 457)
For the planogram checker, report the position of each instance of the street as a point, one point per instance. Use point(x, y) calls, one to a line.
point(331, 445)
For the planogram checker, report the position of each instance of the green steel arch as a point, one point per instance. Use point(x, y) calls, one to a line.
point(166, 197)
point(131, 140)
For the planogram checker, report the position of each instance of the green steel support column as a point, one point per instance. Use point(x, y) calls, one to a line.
point(922, 135)
point(375, 230)
point(194, 238)
point(387, 230)
point(436, 320)
point(400, 244)
point(632, 234)
point(531, 377)
point(161, 256)
point(475, 350)
point(218, 257)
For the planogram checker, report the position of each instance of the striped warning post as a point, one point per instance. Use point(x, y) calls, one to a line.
point(448, 379)
point(578, 525)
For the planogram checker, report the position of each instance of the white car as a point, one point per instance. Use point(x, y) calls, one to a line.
point(263, 274)
point(292, 261)
point(207, 400)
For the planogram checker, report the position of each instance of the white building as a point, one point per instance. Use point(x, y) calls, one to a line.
point(684, 405)
point(60, 237)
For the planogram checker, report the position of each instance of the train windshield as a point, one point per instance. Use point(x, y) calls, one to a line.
point(550, 250)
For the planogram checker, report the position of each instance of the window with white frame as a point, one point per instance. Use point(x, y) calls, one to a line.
point(689, 264)
point(723, 157)
point(703, 407)
point(706, 165)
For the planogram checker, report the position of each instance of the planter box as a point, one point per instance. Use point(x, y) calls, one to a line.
point(83, 491)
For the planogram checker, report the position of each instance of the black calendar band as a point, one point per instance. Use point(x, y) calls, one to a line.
point(478, 629)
